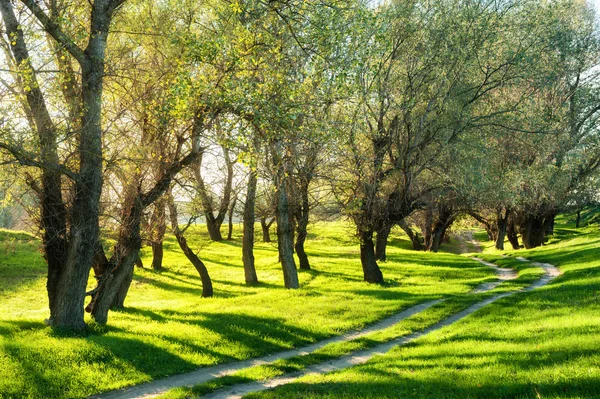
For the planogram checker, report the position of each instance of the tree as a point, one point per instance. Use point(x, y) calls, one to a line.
point(68, 249)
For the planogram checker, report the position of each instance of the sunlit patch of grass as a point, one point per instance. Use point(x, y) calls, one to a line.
point(540, 344)
point(167, 328)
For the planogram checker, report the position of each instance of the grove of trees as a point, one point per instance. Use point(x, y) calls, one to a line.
point(130, 118)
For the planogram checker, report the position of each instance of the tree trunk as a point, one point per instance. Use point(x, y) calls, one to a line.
point(248, 237)
point(533, 231)
point(302, 223)
point(502, 225)
point(578, 220)
point(502, 215)
point(265, 228)
point(207, 288)
point(511, 234)
point(230, 217)
point(550, 223)
point(158, 227)
point(157, 255)
point(285, 242)
point(214, 227)
point(437, 235)
point(414, 238)
point(382, 239)
point(213, 223)
point(115, 281)
point(371, 271)
point(139, 262)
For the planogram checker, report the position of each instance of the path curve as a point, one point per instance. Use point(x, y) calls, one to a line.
point(158, 387)
point(238, 391)
point(504, 274)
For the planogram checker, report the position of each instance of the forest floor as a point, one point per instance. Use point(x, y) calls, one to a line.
point(169, 330)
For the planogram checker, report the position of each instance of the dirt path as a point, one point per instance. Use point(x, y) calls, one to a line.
point(464, 238)
point(503, 275)
point(155, 388)
point(364, 356)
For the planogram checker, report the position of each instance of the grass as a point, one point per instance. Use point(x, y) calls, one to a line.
point(540, 344)
point(168, 328)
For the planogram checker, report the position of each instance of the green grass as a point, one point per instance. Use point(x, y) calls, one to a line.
point(278, 368)
point(539, 344)
point(168, 328)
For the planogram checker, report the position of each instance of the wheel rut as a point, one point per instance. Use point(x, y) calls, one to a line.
point(158, 387)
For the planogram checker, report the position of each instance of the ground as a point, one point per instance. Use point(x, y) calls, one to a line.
point(544, 341)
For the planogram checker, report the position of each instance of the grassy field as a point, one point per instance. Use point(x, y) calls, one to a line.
point(168, 328)
point(540, 344)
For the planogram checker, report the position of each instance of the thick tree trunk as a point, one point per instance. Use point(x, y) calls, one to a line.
point(382, 239)
point(157, 255)
point(371, 271)
point(533, 231)
point(502, 225)
point(578, 220)
point(437, 236)
point(214, 227)
point(285, 241)
point(502, 216)
point(511, 234)
point(207, 288)
point(248, 237)
point(114, 283)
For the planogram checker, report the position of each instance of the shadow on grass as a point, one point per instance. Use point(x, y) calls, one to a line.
point(452, 383)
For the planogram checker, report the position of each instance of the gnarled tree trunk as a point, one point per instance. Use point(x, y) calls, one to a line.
point(265, 228)
point(285, 240)
point(381, 244)
point(207, 288)
point(414, 237)
point(371, 271)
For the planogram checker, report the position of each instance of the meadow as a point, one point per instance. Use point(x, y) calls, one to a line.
point(167, 328)
point(539, 344)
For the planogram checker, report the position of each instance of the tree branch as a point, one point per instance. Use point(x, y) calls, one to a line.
point(55, 31)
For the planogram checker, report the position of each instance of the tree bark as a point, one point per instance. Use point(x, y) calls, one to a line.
point(534, 228)
point(139, 262)
point(207, 288)
point(265, 228)
point(502, 215)
point(511, 234)
point(158, 227)
point(157, 255)
point(371, 271)
point(381, 243)
point(230, 217)
point(213, 223)
point(578, 219)
point(248, 237)
point(302, 223)
point(414, 238)
point(285, 241)
point(115, 280)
